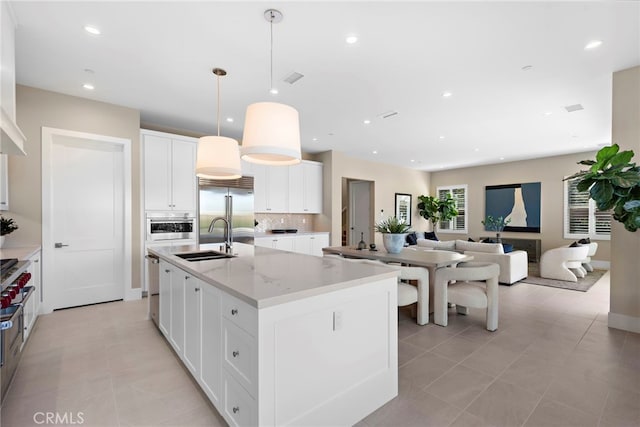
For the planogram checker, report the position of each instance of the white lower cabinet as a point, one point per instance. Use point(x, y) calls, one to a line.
point(309, 244)
point(288, 364)
point(211, 334)
point(165, 297)
point(193, 289)
point(32, 307)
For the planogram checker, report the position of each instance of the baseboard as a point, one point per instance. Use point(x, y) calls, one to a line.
point(624, 322)
point(601, 265)
point(133, 294)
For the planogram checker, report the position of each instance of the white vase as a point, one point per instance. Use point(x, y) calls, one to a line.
point(393, 243)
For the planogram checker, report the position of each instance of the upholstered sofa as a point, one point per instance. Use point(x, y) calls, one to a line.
point(513, 265)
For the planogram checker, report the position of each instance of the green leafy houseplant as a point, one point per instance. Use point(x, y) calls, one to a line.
point(393, 234)
point(392, 225)
point(613, 183)
point(436, 210)
point(7, 226)
point(496, 224)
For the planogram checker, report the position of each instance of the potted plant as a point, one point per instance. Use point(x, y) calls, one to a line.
point(495, 224)
point(7, 226)
point(394, 233)
point(613, 183)
point(436, 210)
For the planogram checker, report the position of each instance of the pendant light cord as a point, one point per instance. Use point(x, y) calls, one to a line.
point(218, 106)
point(271, 52)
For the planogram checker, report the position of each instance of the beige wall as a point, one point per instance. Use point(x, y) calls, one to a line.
point(37, 108)
point(388, 181)
point(549, 171)
point(624, 310)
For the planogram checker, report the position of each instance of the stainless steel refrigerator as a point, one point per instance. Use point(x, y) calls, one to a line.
point(232, 200)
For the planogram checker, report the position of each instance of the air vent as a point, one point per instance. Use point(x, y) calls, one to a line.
point(293, 77)
point(572, 108)
point(388, 114)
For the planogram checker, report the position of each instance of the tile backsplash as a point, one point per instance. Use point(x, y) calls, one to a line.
point(267, 222)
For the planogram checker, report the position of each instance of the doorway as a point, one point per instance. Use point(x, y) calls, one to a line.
point(86, 218)
point(358, 218)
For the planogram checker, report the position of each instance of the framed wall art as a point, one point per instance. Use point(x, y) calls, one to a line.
point(403, 207)
point(518, 202)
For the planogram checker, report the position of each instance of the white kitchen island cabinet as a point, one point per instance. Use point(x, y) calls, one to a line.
point(286, 338)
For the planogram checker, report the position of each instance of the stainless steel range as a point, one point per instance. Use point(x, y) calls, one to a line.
point(13, 295)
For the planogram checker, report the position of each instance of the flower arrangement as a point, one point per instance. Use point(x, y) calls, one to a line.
point(7, 226)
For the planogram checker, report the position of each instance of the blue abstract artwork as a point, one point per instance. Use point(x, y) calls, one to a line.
point(518, 202)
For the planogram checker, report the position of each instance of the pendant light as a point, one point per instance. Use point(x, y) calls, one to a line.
point(271, 130)
point(218, 156)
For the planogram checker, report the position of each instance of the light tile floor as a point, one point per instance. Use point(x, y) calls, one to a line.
point(552, 362)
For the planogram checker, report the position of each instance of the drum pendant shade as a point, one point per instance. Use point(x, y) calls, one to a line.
point(218, 158)
point(271, 134)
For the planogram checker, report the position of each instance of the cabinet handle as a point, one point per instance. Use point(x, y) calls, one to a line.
point(235, 353)
point(196, 289)
point(236, 409)
point(234, 311)
point(187, 277)
point(167, 271)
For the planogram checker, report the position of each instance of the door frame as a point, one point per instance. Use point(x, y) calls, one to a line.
point(349, 208)
point(48, 135)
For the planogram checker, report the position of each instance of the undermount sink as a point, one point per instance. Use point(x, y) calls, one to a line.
point(203, 255)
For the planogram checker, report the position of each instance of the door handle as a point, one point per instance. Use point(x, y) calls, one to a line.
point(59, 245)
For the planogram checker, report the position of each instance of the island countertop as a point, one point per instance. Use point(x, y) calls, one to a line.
point(264, 277)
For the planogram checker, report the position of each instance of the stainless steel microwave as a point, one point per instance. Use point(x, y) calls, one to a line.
point(170, 226)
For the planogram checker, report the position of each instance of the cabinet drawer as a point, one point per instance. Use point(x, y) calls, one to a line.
point(240, 356)
point(239, 408)
point(240, 313)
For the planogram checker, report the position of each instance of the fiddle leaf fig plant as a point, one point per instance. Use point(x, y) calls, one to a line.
point(436, 210)
point(613, 183)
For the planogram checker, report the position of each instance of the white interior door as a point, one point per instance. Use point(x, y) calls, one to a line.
point(360, 212)
point(84, 220)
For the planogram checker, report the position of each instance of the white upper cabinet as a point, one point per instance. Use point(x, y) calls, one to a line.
point(305, 187)
point(288, 189)
point(271, 188)
point(169, 172)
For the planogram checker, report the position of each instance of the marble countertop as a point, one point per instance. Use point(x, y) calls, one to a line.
point(299, 233)
point(22, 252)
point(264, 277)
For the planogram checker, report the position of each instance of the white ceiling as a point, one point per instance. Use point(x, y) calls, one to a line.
point(157, 57)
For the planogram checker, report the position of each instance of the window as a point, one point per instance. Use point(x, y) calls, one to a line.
point(459, 194)
point(581, 217)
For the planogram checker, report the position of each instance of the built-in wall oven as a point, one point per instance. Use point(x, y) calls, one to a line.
point(167, 226)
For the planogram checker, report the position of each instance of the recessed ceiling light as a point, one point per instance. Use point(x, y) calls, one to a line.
point(92, 30)
point(230, 119)
point(441, 136)
point(314, 139)
point(375, 151)
point(351, 39)
point(476, 149)
point(501, 158)
point(593, 44)
point(88, 86)
point(366, 122)
point(548, 113)
point(273, 91)
point(446, 94)
point(412, 161)
point(527, 68)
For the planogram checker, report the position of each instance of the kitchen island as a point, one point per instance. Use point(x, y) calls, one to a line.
point(280, 338)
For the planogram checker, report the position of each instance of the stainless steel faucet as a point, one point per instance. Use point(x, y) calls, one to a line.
point(228, 236)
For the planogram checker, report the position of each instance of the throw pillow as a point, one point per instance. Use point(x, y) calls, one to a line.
point(412, 239)
point(584, 241)
point(489, 241)
point(507, 248)
point(431, 235)
point(470, 240)
point(574, 245)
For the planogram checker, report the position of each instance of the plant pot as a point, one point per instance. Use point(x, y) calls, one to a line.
point(393, 243)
